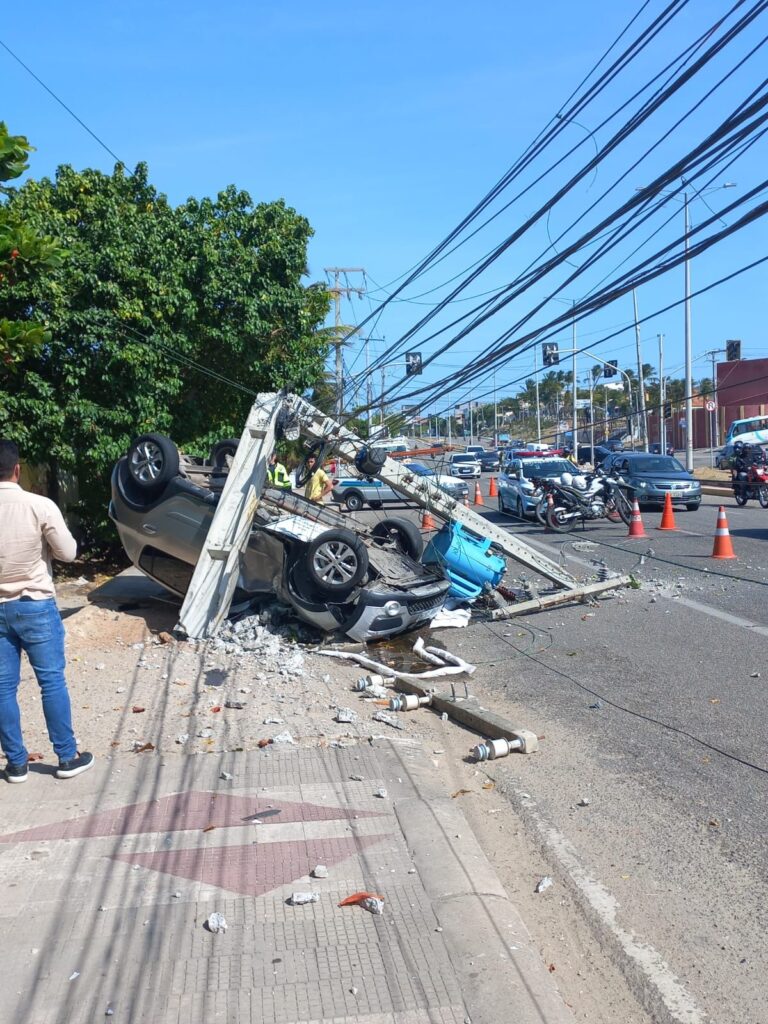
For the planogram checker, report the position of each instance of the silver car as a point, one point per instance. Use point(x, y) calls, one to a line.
point(517, 487)
point(650, 478)
point(357, 491)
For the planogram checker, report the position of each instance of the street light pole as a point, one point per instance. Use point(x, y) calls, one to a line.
point(640, 383)
point(538, 404)
point(662, 399)
point(575, 438)
point(688, 355)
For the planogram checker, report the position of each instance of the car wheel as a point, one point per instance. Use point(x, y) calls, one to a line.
point(153, 461)
point(354, 501)
point(223, 451)
point(375, 504)
point(401, 534)
point(693, 506)
point(336, 562)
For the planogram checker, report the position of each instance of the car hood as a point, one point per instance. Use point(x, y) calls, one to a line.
point(675, 477)
point(446, 478)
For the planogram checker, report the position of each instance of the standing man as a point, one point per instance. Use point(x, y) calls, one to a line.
point(278, 474)
point(319, 483)
point(32, 531)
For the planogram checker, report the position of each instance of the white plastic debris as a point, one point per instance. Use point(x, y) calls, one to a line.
point(283, 737)
point(373, 905)
point(451, 618)
point(299, 899)
point(217, 923)
point(182, 737)
point(226, 776)
point(543, 883)
point(205, 734)
point(345, 715)
point(320, 871)
point(584, 801)
point(73, 975)
point(381, 793)
point(272, 721)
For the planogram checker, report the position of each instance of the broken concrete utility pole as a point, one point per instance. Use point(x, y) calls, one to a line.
point(215, 577)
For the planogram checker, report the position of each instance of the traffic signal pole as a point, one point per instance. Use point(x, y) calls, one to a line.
point(662, 399)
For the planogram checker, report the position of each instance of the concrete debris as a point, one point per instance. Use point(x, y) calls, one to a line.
point(382, 716)
point(356, 778)
point(543, 883)
point(381, 793)
point(272, 721)
point(284, 737)
point(373, 905)
point(234, 705)
point(299, 899)
point(216, 923)
point(205, 734)
point(320, 871)
point(584, 802)
point(345, 715)
point(755, 675)
point(226, 776)
point(270, 644)
point(182, 737)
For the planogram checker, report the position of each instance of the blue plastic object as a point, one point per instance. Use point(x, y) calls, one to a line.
point(466, 560)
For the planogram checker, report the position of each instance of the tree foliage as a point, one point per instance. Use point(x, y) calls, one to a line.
point(24, 253)
point(151, 296)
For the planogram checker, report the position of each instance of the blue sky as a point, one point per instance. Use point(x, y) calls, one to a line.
point(383, 124)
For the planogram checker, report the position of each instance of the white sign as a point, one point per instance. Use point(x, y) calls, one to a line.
point(710, 406)
point(682, 424)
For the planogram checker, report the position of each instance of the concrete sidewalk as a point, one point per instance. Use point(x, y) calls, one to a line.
point(109, 878)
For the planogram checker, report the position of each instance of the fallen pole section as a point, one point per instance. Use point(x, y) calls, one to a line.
point(552, 600)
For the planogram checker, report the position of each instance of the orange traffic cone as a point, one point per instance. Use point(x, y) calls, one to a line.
point(636, 528)
point(668, 515)
point(478, 495)
point(466, 501)
point(427, 522)
point(723, 547)
point(493, 490)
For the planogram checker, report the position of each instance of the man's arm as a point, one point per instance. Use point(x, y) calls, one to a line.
point(327, 484)
point(57, 536)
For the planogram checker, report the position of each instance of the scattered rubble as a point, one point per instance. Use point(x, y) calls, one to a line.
point(216, 923)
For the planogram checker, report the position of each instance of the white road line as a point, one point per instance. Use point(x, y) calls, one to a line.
point(651, 976)
point(716, 613)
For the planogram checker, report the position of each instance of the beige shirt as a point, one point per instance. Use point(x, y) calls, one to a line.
point(32, 531)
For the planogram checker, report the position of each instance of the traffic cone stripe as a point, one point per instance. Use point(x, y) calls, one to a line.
point(493, 490)
point(723, 545)
point(427, 522)
point(636, 528)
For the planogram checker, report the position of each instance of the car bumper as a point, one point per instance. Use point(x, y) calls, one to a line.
point(653, 497)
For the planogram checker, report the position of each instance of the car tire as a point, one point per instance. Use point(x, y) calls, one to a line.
point(693, 506)
point(354, 501)
point(402, 534)
point(222, 451)
point(153, 461)
point(336, 562)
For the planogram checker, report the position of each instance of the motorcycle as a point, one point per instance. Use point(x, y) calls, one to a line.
point(598, 497)
point(749, 476)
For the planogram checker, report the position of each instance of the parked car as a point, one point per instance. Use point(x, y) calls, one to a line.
point(655, 449)
point(516, 484)
point(475, 449)
point(462, 464)
point(367, 583)
point(355, 491)
point(650, 478)
point(489, 461)
point(614, 444)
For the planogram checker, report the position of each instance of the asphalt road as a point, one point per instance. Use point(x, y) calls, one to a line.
point(653, 707)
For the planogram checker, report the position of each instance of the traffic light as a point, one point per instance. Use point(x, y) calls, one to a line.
point(667, 410)
point(550, 353)
point(412, 363)
point(733, 350)
point(611, 368)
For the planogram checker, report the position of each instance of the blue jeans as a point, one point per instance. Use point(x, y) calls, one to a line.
point(34, 627)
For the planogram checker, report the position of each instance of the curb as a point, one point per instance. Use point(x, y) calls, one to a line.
point(496, 961)
point(720, 492)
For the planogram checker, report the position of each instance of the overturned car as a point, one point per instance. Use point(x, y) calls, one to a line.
point(365, 582)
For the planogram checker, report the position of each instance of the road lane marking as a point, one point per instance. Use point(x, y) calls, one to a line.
point(716, 613)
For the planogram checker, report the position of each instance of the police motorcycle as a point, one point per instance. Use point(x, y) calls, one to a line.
point(577, 498)
point(749, 476)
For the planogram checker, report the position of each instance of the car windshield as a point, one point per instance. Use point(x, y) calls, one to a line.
point(657, 464)
point(552, 467)
point(463, 458)
point(418, 469)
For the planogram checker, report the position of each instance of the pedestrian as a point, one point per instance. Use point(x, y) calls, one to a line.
point(278, 474)
point(319, 483)
point(32, 531)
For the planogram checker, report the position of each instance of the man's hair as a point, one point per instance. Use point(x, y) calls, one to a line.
point(9, 458)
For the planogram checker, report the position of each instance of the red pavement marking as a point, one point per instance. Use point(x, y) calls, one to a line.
point(254, 869)
point(182, 811)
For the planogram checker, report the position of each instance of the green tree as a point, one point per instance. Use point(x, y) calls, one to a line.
point(24, 253)
point(150, 296)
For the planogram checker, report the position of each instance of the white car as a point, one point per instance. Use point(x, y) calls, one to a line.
point(462, 464)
